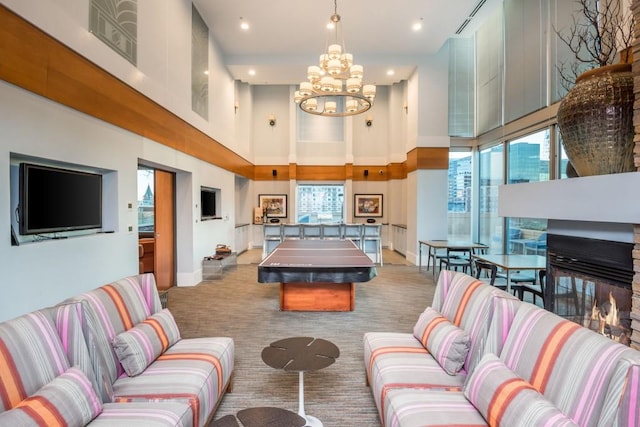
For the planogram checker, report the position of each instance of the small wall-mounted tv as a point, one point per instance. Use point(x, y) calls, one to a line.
point(207, 203)
point(54, 200)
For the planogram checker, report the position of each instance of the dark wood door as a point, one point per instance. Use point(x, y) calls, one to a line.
point(164, 260)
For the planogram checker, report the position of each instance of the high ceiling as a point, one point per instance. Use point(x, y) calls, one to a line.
point(286, 36)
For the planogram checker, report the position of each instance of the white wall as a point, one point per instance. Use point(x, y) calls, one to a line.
point(44, 273)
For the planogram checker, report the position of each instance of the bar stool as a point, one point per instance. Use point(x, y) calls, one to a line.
point(331, 231)
point(291, 231)
point(311, 231)
point(353, 232)
point(373, 233)
point(271, 236)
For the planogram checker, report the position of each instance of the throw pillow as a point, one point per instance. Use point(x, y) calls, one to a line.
point(447, 343)
point(504, 399)
point(68, 400)
point(138, 347)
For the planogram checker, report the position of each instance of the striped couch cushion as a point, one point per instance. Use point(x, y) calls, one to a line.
point(138, 347)
point(570, 365)
point(67, 401)
point(430, 408)
point(622, 406)
point(110, 310)
point(71, 330)
point(194, 371)
point(147, 414)
point(468, 303)
point(31, 356)
point(504, 399)
point(447, 343)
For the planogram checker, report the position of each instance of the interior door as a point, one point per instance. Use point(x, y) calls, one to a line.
point(164, 261)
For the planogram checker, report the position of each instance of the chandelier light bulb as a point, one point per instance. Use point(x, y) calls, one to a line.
point(311, 104)
point(334, 51)
point(352, 105)
point(306, 89)
point(353, 85)
point(313, 73)
point(357, 72)
point(330, 107)
point(326, 84)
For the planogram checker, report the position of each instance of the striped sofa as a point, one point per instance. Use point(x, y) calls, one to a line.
point(112, 356)
point(524, 367)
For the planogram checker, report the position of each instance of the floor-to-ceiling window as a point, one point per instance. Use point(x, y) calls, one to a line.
point(491, 175)
point(528, 160)
point(459, 200)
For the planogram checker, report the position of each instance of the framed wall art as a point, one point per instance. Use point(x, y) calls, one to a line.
point(275, 205)
point(367, 205)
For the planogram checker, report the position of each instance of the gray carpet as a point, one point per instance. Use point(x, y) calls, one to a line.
point(239, 307)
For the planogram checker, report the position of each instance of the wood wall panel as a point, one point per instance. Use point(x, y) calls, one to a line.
point(397, 170)
point(37, 62)
point(428, 158)
point(320, 173)
point(265, 172)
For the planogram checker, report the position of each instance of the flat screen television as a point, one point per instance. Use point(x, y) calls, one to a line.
point(54, 199)
point(207, 203)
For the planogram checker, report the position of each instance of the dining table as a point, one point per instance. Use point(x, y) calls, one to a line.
point(434, 245)
point(514, 262)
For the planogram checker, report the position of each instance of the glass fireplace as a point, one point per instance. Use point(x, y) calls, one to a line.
point(589, 281)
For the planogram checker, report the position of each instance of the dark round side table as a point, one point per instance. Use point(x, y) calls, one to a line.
point(300, 354)
point(262, 417)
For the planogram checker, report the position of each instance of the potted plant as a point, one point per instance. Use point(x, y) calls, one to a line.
point(596, 115)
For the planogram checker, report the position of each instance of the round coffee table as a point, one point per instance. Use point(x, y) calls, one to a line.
point(262, 417)
point(300, 354)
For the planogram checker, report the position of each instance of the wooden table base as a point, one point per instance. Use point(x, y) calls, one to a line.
point(317, 296)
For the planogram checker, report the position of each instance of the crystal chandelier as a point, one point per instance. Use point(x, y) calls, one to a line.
point(334, 87)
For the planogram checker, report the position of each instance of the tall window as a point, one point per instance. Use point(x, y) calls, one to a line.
point(322, 203)
point(146, 219)
point(529, 161)
point(459, 196)
point(491, 176)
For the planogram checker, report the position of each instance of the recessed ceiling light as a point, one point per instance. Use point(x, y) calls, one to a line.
point(331, 26)
point(244, 24)
point(390, 72)
point(417, 26)
point(252, 72)
point(206, 72)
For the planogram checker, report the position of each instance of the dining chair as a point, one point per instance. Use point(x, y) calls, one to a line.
point(490, 271)
point(485, 270)
point(457, 258)
point(536, 289)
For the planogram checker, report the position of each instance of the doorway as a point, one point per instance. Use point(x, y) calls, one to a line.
point(156, 225)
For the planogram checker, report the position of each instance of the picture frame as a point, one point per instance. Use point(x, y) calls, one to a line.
point(367, 205)
point(275, 205)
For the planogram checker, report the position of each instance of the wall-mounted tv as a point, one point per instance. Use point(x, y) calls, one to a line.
point(208, 203)
point(53, 199)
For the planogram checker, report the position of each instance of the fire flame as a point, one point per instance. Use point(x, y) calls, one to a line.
point(607, 314)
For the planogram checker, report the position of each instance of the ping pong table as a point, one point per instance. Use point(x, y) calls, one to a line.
point(316, 275)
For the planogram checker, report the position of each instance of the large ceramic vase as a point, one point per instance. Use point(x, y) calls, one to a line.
point(596, 121)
